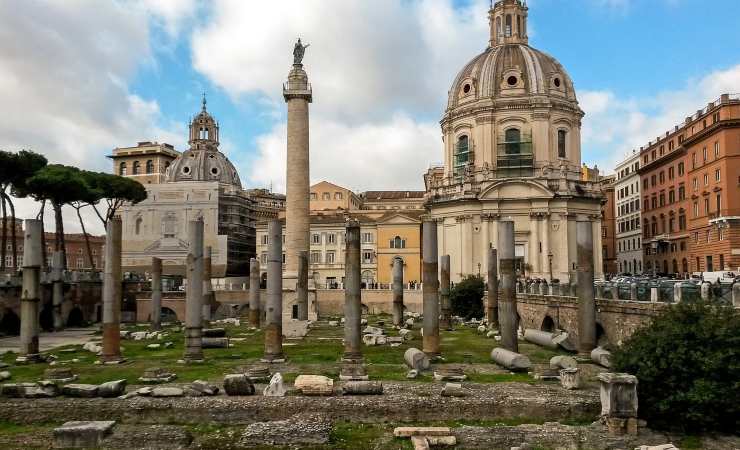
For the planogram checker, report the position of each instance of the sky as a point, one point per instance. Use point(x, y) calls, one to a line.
point(79, 78)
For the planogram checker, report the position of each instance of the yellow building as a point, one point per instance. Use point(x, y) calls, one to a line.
point(145, 163)
point(399, 236)
point(327, 196)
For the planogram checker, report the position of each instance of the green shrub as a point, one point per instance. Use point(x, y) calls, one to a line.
point(466, 297)
point(687, 363)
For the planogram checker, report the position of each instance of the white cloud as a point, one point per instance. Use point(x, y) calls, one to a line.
point(389, 155)
point(376, 68)
point(64, 82)
point(171, 14)
point(614, 125)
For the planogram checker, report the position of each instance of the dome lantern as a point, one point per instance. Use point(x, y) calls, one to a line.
point(508, 22)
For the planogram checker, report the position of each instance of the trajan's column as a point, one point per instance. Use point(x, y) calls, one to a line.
point(297, 93)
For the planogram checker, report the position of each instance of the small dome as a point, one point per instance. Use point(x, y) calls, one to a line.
point(200, 165)
point(511, 70)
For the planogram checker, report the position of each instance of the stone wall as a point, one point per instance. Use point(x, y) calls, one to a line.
point(616, 320)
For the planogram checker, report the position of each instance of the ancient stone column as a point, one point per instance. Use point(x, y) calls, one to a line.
point(297, 94)
point(507, 314)
point(430, 289)
point(254, 292)
point(397, 292)
point(57, 289)
point(112, 292)
point(492, 303)
point(194, 293)
point(156, 303)
point(274, 317)
point(352, 358)
point(585, 291)
point(208, 295)
point(445, 321)
point(31, 293)
point(302, 286)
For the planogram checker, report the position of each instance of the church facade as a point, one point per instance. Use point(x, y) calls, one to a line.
point(512, 149)
point(199, 183)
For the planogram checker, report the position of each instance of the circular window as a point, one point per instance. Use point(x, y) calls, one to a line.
point(511, 81)
point(466, 88)
point(186, 170)
point(214, 170)
point(556, 82)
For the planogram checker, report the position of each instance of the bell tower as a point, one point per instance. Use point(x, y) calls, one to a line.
point(203, 131)
point(508, 22)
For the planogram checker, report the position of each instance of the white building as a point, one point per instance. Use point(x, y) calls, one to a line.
point(627, 215)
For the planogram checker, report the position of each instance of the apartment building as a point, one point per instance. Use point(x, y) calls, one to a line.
point(627, 215)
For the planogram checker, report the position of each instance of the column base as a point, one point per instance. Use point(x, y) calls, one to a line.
point(112, 360)
point(192, 360)
point(273, 359)
point(353, 370)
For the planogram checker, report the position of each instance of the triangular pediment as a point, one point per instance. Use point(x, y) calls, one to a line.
point(398, 219)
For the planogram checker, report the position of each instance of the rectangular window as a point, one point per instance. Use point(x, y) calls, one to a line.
point(671, 196)
point(719, 203)
point(263, 258)
point(662, 177)
point(716, 150)
point(316, 239)
point(706, 179)
point(696, 209)
point(716, 175)
point(330, 257)
point(313, 196)
point(652, 180)
point(696, 184)
point(265, 239)
point(367, 257)
point(681, 193)
point(662, 199)
point(315, 257)
point(367, 238)
point(693, 160)
point(670, 173)
point(682, 222)
point(561, 143)
point(710, 265)
point(706, 206)
point(704, 153)
point(680, 169)
point(331, 238)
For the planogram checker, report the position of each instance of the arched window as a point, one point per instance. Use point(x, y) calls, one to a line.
point(512, 139)
point(508, 25)
point(397, 242)
point(150, 166)
point(462, 153)
point(204, 133)
point(519, 26)
point(137, 166)
point(562, 135)
point(122, 169)
point(498, 26)
point(138, 225)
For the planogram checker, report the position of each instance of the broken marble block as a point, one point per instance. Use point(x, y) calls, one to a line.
point(314, 385)
point(453, 390)
point(275, 388)
point(82, 434)
point(510, 360)
point(416, 359)
point(112, 388)
point(80, 390)
point(199, 388)
point(238, 384)
point(449, 373)
point(157, 375)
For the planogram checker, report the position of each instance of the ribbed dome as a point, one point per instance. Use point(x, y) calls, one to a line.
point(514, 71)
point(201, 165)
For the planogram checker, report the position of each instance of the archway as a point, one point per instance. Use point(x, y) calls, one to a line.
point(75, 318)
point(548, 324)
point(46, 318)
point(10, 324)
point(168, 315)
point(601, 339)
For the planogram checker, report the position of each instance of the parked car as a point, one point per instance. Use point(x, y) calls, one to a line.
point(717, 277)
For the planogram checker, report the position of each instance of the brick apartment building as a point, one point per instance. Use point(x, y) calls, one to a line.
point(690, 179)
point(608, 225)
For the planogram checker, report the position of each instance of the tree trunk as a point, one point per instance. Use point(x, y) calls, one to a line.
point(13, 234)
point(4, 234)
point(60, 245)
point(87, 238)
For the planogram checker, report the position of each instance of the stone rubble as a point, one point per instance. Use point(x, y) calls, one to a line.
point(416, 359)
point(167, 391)
point(200, 388)
point(275, 388)
point(157, 375)
point(453, 390)
point(238, 384)
point(314, 385)
point(112, 389)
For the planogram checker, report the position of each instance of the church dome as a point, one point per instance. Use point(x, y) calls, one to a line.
point(509, 67)
point(203, 161)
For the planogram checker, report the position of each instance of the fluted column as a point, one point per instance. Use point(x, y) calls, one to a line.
point(112, 292)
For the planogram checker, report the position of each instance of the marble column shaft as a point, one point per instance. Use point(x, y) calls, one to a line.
point(57, 292)
point(155, 316)
point(194, 293)
point(430, 289)
point(585, 288)
point(445, 321)
point(112, 292)
point(397, 291)
point(254, 293)
point(208, 294)
point(492, 303)
point(31, 289)
point(352, 294)
point(274, 306)
point(507, 313)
